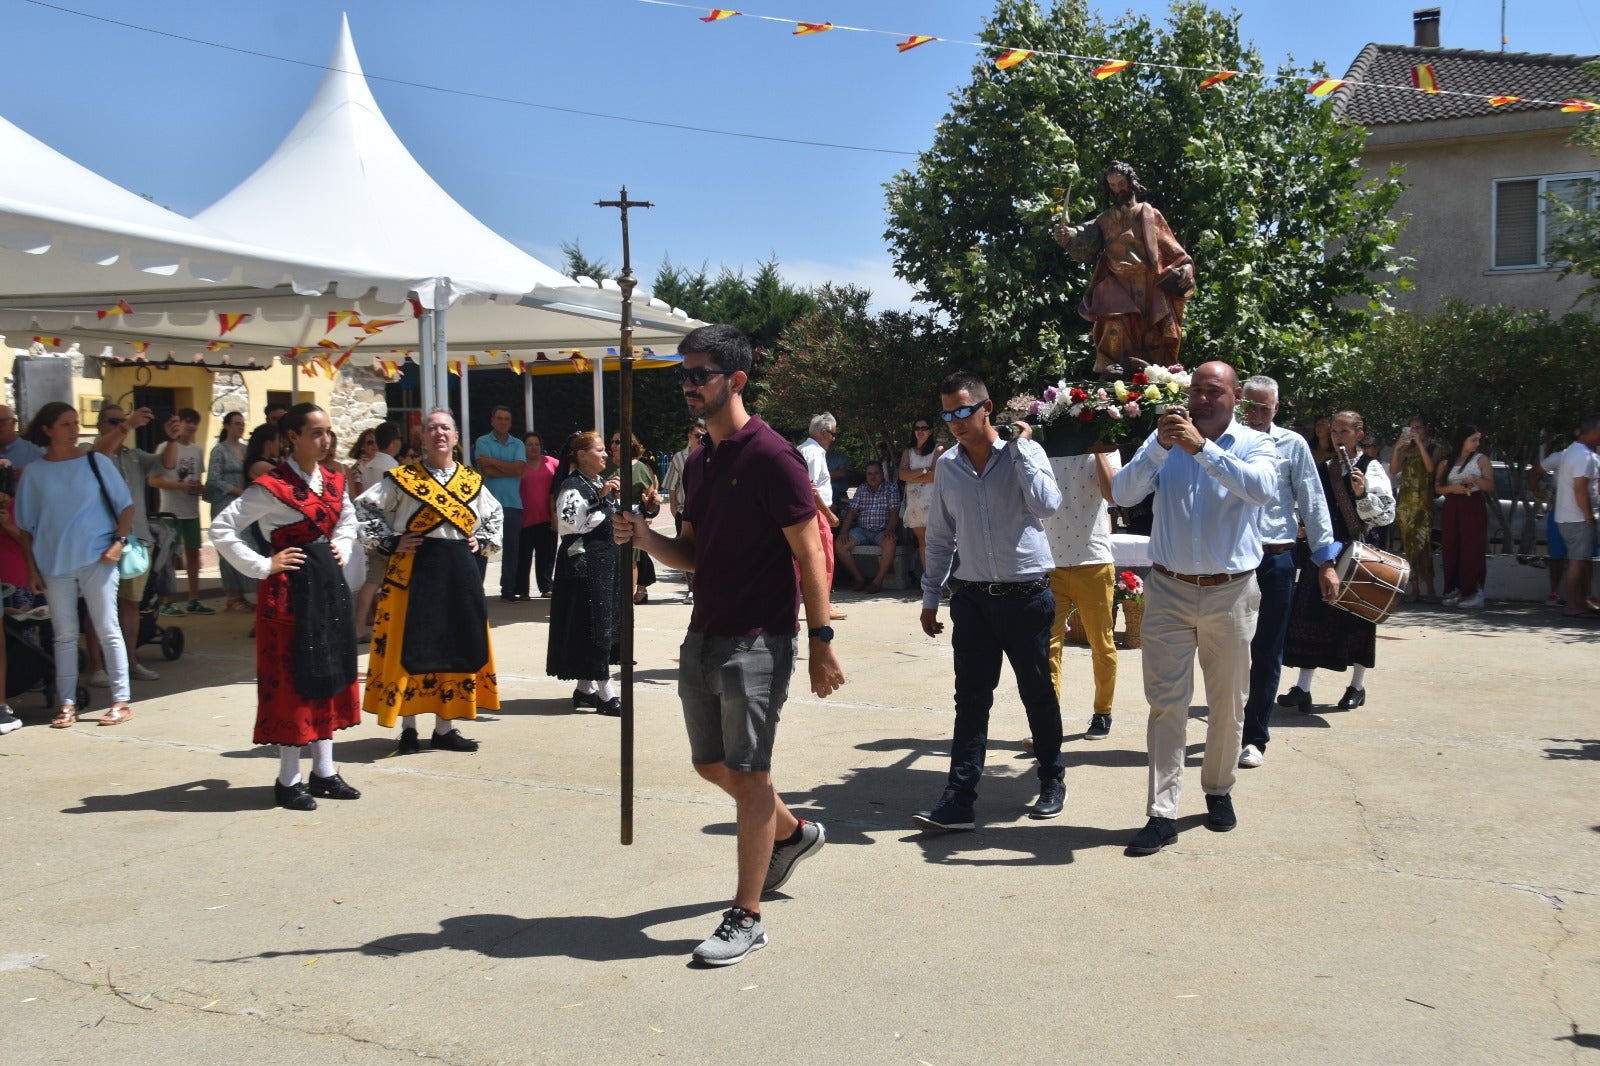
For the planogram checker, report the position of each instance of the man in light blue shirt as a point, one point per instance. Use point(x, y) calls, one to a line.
point(15, 448)
point(501, 459)
point(1299, 491)
point(1211, 478)
point(990, 497)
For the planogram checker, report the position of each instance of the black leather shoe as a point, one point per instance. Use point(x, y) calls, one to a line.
point(581, 699)
point(1156, 834)
point(295, 797)
point(1219, 814)
point(1297, 698)
point(1099, 727)
point(1353, 697)
point(333, 787)
point(1051, 796)
point(453, 741)
point(409, 745)
point(611, 708)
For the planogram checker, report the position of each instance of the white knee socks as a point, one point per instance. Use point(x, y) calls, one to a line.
point(322, 758)
point(1358, 677)
point(288, 765)
point(606, 690)
point(1306, 674)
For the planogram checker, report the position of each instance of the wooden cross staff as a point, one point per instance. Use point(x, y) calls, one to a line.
point(625, 471)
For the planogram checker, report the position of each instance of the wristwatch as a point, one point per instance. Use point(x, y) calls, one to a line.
point(122, 541)
point(822, 633)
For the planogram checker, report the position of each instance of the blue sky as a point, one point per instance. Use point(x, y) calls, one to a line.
point(185, 122)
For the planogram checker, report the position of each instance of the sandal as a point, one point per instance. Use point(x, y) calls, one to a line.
point(117, 715)
point(66, 719)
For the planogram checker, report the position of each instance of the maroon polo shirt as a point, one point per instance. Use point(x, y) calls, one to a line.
point(741, 496)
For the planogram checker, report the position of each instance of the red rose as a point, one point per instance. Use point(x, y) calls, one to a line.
point(1077, 395)
point(1086, 415)
point(1141, 380)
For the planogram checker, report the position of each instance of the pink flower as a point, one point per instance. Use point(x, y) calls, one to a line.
point(1101, 395)
point(1035, 407)
point(1175, 368)
point(1131, 409)
point(1114, 413)
point(1051, 393)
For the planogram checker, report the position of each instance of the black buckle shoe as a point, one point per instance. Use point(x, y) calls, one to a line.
point(581, 699)
point(295, 797)
point(1219, 814)
point(1298, 698)
point(453, 741)
point(1157, 833)
point(409, 745)
point(1353, 697)
point(1052, 794)
point(333, 787)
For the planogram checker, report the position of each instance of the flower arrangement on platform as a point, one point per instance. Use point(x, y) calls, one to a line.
point(1070, 418)
point(1129, 588)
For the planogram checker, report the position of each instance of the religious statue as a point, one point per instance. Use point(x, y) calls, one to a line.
point(1142, 277)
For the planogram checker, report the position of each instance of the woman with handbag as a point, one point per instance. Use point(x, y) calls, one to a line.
point(1321, 635)
point(225, 483)
point(75, 513)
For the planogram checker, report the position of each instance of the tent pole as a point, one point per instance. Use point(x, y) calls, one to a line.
point(466, 410)
point(527, 401)
point(426, 361)
point(599, 391)
point(441, 347)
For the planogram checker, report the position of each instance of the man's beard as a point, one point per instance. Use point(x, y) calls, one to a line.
point(709, 406)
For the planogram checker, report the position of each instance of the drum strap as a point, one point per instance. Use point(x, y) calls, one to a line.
point(1345, 501)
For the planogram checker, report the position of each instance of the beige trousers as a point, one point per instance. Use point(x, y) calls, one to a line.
point(1181, 619)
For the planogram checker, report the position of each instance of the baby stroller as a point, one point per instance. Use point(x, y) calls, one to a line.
point(162, 582)
point(31, 660)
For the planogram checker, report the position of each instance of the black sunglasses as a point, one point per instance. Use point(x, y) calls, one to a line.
point(699, 375)
point(108, 421)
point(921, 429)
point(962, 412)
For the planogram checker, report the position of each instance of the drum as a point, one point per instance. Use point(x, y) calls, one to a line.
point(1371, 581)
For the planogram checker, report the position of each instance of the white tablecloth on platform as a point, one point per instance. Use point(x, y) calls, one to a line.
point(1130, 549)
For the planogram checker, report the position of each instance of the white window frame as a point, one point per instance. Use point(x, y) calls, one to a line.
point(1544, 180)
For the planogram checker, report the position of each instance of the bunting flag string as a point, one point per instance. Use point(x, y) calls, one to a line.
point(339, 318)
point(140, 347)
point(48, 342)
point(217, 346)
point(1424, 78)
point(122, 308)
point(230, 322)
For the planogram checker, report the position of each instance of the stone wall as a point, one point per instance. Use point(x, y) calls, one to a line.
point(229, 393)
point(357, 403)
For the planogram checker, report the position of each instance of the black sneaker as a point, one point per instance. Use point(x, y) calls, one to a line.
point(453, 741)
point(409, 745)
point(1052, 794)
point(950, 815)
point(1353, 697)
point(1157, 833)
point(1297, 698)
point(295, 797)
point(1219, 814)
point(333, 787)
point(8, 721)
point(1099, 727)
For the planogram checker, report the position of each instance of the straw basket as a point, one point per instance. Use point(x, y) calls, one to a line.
point(1133, 613)
point(1076, 634)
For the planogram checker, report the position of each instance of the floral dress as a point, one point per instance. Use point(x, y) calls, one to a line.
point(1414, 515)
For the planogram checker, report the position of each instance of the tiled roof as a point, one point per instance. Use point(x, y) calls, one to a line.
point(1458, 70)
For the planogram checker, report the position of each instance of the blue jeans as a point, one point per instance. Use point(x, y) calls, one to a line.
point(1275, 577)
point(985, 628)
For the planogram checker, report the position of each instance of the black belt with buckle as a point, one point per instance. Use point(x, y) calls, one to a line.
point(1003, 588)
point(1203, 580)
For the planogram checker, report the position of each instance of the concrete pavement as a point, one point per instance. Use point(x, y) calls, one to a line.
point(1415, 881)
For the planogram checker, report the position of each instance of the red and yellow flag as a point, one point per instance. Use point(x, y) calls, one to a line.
point(1573, 106)
point(804, 28)
point(516, 366)
point(230, 322)
point(122, 308)
point(1010, 58)
point(371, 327)
point(327, 343)
point(48, 342)
point(1424, 79)
point(455, 367)
point(343, 358)
point(1218, 78)
point(718, 14)
point(1324, 87)
point(217, 346)
point(911, 42)
point(140, 347)
point(580, 363)
point(1502, 101)
point(339, 318)
point(1116, 66)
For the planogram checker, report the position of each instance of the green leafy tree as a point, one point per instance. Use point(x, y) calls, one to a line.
point(1292, 245)
point(761, 305)
point(576, 264)
point(876, 373)
point(1576, 241)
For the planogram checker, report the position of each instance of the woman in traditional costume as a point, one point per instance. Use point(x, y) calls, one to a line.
point(584, 614)
point(431, 652)
point(306, 677)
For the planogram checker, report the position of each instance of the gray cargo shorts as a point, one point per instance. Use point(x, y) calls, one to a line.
point(733, 689)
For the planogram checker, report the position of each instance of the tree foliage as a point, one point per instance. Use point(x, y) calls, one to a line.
point(1577, 242)
point(876, 373)
point(1292, 244)
point(578, 265)
point(762, 305)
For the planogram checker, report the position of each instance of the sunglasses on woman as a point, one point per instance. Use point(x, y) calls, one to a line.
point(921, 429)
point(699, 375)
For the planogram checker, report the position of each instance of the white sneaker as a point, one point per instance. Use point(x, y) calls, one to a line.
point(1451, 599)
point(1472, 602)
point(140, 672)
point(1251, 757)
point(100, 679)
point(8, 721)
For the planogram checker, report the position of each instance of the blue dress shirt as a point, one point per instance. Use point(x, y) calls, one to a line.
point(996, 517)
point(1299, 489)
point(508, 490)
point(1207, 506)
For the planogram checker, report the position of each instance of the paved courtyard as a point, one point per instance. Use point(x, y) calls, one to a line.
point(1415, 881)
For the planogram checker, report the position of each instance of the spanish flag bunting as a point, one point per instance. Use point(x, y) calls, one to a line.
point(911, 42)
point(580, 363)
point(1010, 58)
point(141, 347)
point(122, 308)
point(472, 360)
point(1116, 66)
point(49, 342)
point(344, 358)
point(516, 366)
point(455, 367)
point(804, 28)
point(1502, 101)
point(1573, 106)
point(391, 369)
point(326, 343)
point(339, 318)
point(1324, 87)
point(325, 367)
point(718, 14)
point(379, 325)
point(1424, 79)
point(217, 346)
point(1217, 79)
point(230, 322)
point(416, 306)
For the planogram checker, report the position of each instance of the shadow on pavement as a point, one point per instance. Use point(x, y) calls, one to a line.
point(591, 937)
point(207, 796)
point(1586, 750)
point(1029, 843)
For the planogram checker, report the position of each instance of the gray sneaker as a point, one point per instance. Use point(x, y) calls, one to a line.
point(785, 859)
point(739, 934)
